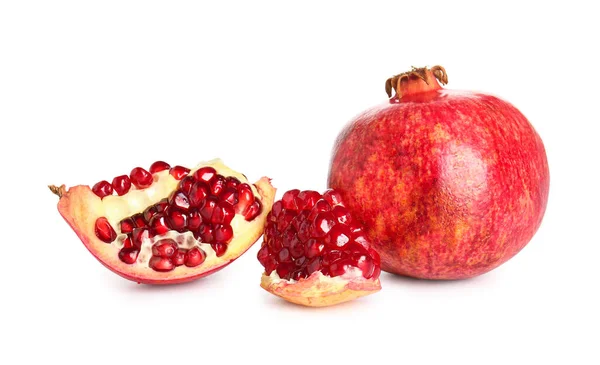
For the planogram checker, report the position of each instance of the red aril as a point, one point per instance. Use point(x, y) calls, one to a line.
point(447, 184)
point(150, 233)
point(311, 255)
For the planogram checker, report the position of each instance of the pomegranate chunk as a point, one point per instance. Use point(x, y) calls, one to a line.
point(308, 232)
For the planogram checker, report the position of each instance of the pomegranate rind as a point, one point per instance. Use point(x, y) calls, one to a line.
point(80, 208)
point(319, 290)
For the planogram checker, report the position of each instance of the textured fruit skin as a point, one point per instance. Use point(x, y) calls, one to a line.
point(447, 184)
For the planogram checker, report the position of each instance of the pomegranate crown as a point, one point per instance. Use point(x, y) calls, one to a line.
point(400, 83)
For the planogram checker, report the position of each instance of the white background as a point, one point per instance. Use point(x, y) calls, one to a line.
point(90, 90)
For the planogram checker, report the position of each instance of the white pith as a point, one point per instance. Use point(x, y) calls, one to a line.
point(115, 208)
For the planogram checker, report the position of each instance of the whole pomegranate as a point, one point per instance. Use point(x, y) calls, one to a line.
point(447, 184)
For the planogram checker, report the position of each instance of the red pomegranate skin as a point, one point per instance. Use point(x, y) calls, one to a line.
point(448, 184)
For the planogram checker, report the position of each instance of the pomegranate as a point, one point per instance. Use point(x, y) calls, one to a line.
point(314, 254)
point(168, 224)
point(448, 184)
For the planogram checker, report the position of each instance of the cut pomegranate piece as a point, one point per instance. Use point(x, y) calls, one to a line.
point(313, 255)
point(172, 227)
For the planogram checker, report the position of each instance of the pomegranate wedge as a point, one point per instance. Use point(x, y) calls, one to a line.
point(313, 252)
point(168, 224)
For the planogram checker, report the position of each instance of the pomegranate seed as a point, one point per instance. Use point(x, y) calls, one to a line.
point(198, 193)
point(333, 197)
point(253, 211)
point(232, 182)
point(284, 219)
point(207, 208)
point(205, 174)
point(245, 198)
point(193, 220)
point(314, 248)
point(276, 209)
point(162, 205)
point(159, 166)
point(186, 184)
point(179, 172)
point(365, 264)
point(320, 206)
point(179, 200)
point(219, 248)
point(323, 224)
point(300, 261)
point(307, 199)
point(128, 255)
point(204, 233)
point(161, 264)
point(337, 236)
point(263, 255)
point(289, 235)
point(285, 270)
point(362, 240)
point(298, 274)
point(104, 231)
point(299, 219)
point(305, 231)
point(313, 265)
point(374, 255)
point(102, 189)
point(341, 214)
point(331, 257)
point(230, 195)
point(158, 224)
point(139, 221)
point(223, 213)
point(338, 268)
point(177, 220)
point(127, 225)
point(141, 178)
point(217, 185)
point(297, 249)
point(178, 258)
point(149, 212)
point(121, 184)
point(127, 242)
point(164, 248)
point(270, 265)
point(289, 199)
point(194, 257)
point(223, 233)
point(138, 236)
point(284, 255)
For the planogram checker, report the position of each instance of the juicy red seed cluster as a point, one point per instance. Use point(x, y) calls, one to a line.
point(138, 177)
point(307, 232)
point(166, 256)
point(204, 203)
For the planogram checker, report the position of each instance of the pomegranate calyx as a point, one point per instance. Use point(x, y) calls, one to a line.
point(58, 190)
point(417, 80)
